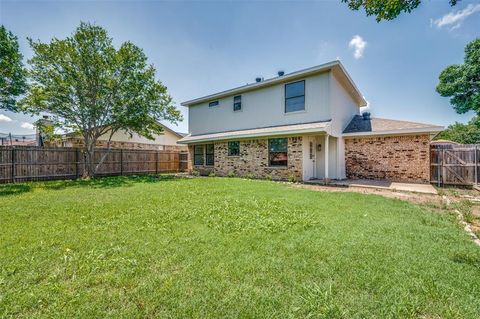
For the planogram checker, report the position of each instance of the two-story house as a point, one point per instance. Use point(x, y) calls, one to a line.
point(303, 125)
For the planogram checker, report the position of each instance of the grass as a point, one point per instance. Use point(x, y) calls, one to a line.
point(227, 247)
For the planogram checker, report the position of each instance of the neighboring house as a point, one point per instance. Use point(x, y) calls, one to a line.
point(121, 139)
point(303, 125)
point(17, 140)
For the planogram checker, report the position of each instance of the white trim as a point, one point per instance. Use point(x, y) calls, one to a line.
point(327, 155)
point(432, 129)
point(295, 112)
point(279, 79)
point(255, 135)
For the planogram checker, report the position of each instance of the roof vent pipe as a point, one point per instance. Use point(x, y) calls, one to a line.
point(258, 80)
point(366, 115)
point(281, 73)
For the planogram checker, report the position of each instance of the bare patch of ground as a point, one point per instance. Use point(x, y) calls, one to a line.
point(465, 203)
point(417, 198)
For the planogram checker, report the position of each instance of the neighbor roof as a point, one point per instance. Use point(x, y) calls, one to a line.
point(378, 126)
point(179, 134)
point(336, 66)
point(258, 132)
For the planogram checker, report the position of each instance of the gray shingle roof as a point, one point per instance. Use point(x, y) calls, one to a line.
point(301, 128)
point(377, 125)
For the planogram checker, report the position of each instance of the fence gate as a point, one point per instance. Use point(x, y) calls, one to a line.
point(454, 164)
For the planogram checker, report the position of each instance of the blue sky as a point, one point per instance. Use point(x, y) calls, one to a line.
point(200, 48)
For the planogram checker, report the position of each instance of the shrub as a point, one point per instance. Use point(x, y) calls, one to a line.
point(195, 173)
point(212, 174)
point(292, 179)
point(268, 177)
point(250, 176)
point(231, 174)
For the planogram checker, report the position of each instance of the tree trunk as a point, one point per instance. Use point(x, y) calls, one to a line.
point(89, 156)
point(106, 153)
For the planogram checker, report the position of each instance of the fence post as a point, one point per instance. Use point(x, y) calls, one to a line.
point(156, 162)
point(476, 179)
point(121, 162)
point(439, 168)
point(14, 155)
point(443, 167)
point(77, 163)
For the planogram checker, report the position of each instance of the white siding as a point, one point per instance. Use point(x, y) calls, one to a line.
point(343, 109)
point(341, 174)
point(342, 105)
point(332, 158)
point(263, 107)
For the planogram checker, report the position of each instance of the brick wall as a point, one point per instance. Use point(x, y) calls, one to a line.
point(396, 158)
point(253, 160)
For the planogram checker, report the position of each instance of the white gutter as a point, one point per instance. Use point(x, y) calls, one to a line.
point(253, 135)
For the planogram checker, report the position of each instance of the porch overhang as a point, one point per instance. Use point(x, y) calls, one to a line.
point(284, 130)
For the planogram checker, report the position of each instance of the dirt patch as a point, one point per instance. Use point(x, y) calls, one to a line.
point(465, 204)
point(417, 198)
point(476, 211)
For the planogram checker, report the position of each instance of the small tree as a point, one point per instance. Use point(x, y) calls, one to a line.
point(12, 71)
point(94, 89)
point(462, 82)
point(386, 9)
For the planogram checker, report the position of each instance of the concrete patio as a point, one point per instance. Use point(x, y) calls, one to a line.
point(378, 184)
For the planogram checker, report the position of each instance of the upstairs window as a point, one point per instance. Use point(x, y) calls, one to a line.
point(237, 103)
point(209, 154)
point(278, 152)
point(212, 104)
point(295, 96)
point(198, 155)
point(234, 148)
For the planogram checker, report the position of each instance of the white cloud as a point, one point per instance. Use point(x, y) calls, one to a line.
point(28, 126)
point(455, 18)
point(4, 118)
point(358, 44)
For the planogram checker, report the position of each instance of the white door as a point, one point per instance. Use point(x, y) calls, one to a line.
point(320, 155)
point(309, 156)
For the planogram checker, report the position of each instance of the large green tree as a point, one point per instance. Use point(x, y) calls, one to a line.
point(92, 88)
point(12, 71)
point(386, 9)
point(462, 133)
point(462, 82)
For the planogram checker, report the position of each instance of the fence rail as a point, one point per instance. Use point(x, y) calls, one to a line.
point(21, 164)
point(454, 164)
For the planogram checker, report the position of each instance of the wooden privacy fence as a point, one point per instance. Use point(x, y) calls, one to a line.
point(20, 164)
point(454, 164)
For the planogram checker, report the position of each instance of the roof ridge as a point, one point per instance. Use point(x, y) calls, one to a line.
point(405, 121)
point(279, 79)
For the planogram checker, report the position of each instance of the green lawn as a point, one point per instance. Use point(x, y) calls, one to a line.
point(220, 247)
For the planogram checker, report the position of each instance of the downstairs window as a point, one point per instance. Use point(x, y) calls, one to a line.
point(198, 155)
point(278, 152)
point(210, 154)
